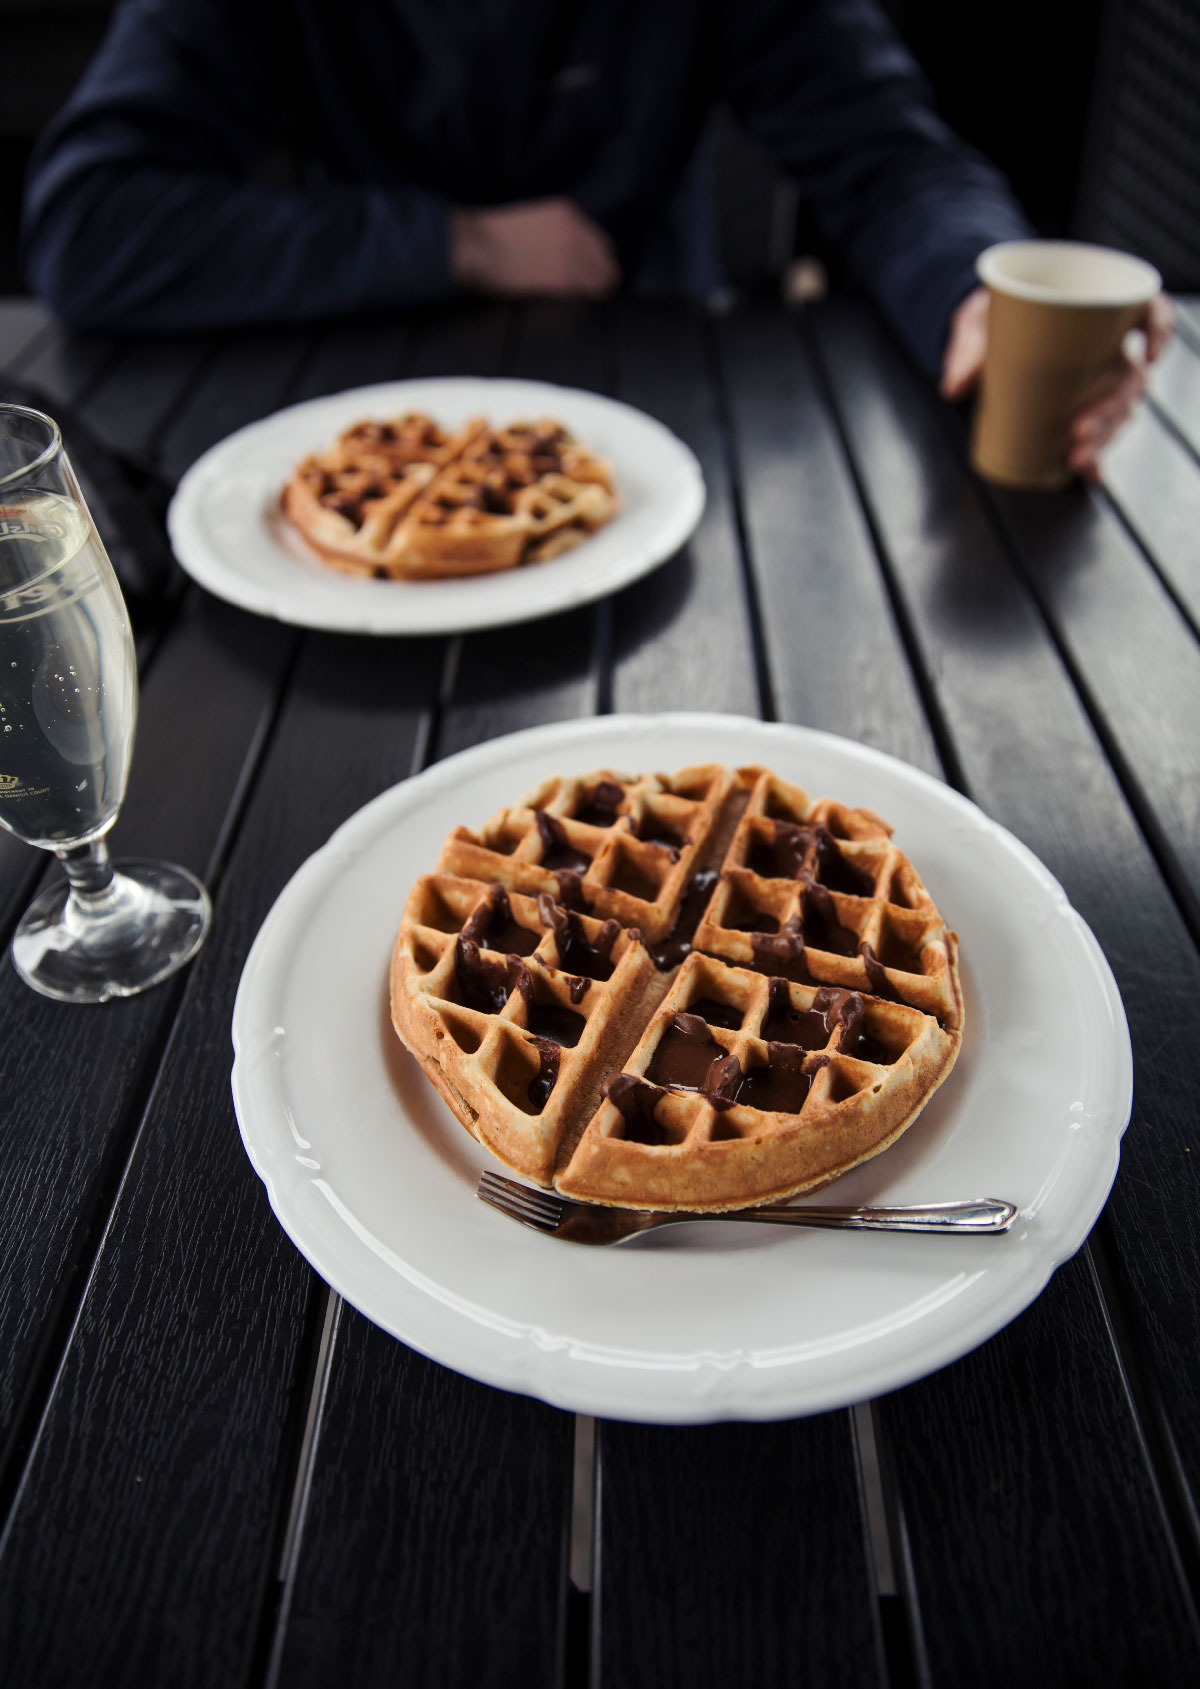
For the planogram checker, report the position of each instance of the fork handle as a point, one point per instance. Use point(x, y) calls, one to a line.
point(985, 1215)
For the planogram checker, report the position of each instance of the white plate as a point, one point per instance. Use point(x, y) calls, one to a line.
point(226, 531)
point(374, 1180)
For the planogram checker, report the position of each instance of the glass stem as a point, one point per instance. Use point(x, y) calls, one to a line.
point(90, 873)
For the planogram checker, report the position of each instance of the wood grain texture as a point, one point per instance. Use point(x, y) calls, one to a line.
point(144, 387)
point(247, 378)
point(69, 1072)
point(538, 671)
point(1151, 476)
point(835, 656)
point(1021, 1550)
point(184, 1365)
point(1174, 388)
point(732, 1557)
point(1131, 652)
point(1031, 758)
point(433, 1546)
point(414, 1467)
point(683, 636)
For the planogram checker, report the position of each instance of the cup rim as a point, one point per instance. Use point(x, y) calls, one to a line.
point(1138, 292)
point(44, 456)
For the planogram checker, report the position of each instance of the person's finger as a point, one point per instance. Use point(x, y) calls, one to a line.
point(1158, 326)
point(965, 346)
point(1113, 406)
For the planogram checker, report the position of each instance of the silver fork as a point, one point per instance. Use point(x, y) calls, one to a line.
point(584, 1222)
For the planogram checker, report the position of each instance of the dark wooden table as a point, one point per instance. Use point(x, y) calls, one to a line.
point(215, 1473)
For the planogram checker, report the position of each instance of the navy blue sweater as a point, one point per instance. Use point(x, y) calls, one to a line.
point(153, 202)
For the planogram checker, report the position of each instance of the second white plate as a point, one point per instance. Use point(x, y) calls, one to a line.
point(227, 533)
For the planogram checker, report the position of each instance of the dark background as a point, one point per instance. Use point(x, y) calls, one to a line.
point(1091, 109)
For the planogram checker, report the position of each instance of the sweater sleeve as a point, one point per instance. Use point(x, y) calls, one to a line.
point(142, 211)
point(830, 90)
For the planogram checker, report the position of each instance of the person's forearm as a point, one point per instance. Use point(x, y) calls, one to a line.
point(910, 233)
point(145, 249)
point(829, 89)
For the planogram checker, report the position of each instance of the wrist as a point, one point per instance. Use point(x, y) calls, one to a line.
point(468, 248)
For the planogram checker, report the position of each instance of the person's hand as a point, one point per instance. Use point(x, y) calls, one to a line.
point(1096, 424)
point(541, 246)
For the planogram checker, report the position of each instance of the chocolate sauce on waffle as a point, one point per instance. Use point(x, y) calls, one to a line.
point(486, 985)
point(542, 1083)
point(570, 890)
point(557, 849)
point(823, 929)
point(784, 1024)
point(782, 953)
point(555, 1022)
point(877, 975)
point(726, 1015)
point(678, 942)
point(782, 856)
point(600, 810)
point(654, 830)
point(794, 852)
point(636, 1100)
point(837, 871)
point(684, 1055)
point(494, 926)
point(813, 1028)
point(576, 953)
point(778, 1088)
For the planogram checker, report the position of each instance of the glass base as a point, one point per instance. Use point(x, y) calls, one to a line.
point(149, 921)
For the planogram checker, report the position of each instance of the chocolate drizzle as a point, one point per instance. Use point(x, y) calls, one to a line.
point(576, 954)
point(727, 1015)
point(877, 975)
point(678, 942)
point(636, 1100)
point(543, 1081)
point(784, 1024)
point(810, 853)
point(813, 1028)
point(684, 1055)
point(494, 926)
point(837, 871)
point(484, 984)
point(600, 809)
point(557, 850)
point(782, 953)
point(554, 1022)
point(780, 1086)
point(652, 829)
point(570, 890)
point(823, 929)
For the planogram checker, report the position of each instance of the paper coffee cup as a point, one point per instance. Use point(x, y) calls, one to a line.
point(1058, 313)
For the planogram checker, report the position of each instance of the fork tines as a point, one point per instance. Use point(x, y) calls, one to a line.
point(536, 1208)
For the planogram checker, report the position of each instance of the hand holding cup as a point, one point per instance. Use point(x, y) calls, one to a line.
point(1047, 336)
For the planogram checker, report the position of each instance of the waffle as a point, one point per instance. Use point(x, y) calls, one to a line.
point(702, 990)
point(406, 500)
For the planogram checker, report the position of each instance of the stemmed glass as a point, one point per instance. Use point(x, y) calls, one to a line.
point(68, 706)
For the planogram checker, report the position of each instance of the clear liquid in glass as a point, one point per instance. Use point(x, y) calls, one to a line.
point(68, 679)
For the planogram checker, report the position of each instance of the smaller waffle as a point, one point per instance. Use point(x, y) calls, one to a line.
point(698, 990)
point(405, 499)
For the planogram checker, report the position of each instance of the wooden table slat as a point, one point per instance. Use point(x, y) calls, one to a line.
point(676, 1606)
point(1045, 776)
